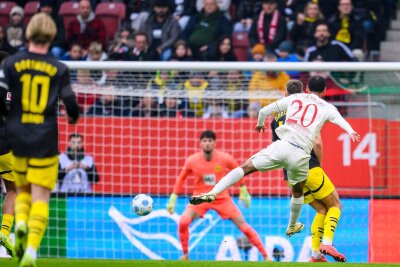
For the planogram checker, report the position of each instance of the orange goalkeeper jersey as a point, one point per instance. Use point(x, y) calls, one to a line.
point(206, 173)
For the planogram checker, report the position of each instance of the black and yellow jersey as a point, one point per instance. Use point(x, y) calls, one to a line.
point(280, 119)
point(35, 82)
point(4, 146)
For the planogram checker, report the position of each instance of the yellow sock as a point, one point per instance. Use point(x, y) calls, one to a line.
point(22, 207)
point(317, 231)
point(6, 223)
point(330, 224)
point(37, 223)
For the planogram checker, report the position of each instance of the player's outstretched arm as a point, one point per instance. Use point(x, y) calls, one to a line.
point(278, 106)
point(177, 188)
point(69, 98)
point(337, 119)
point(72, 109)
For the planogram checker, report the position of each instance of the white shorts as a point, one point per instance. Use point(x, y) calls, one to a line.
point(282, 154)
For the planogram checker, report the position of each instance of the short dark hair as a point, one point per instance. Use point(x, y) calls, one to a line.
point(208, 134)
point(75, 135)
point(294, 87)
point(142, 33)
point(316, 84)
point(321, 22)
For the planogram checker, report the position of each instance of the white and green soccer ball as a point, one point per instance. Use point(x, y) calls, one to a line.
point(142, 204)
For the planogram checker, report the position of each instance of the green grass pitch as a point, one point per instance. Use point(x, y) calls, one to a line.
point(165, 263)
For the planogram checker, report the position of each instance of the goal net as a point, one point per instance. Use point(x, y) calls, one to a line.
point(141, 120)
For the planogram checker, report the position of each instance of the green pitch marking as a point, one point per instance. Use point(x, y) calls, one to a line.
point(144, 263)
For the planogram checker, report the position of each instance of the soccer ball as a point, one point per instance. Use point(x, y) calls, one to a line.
point(142, 204)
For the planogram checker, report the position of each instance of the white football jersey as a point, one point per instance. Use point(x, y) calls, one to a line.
point(305, 116)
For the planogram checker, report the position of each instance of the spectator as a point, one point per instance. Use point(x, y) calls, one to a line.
point(247, 10)
point(302, 33)
point(371, 14)
point(270, 81)
point(57, 47)
point(184, 9)
point(223, 6)
point(285, 54)
point(346, 27)
point(84, 81)
point(77, 170)
point(138, 12)
point(162, 82)
point(123, 41)
point(162, 29)
point(222, 51)
point(269, 27)
point(327, 7)
point(147, 107)
point(204, 28)
point(95, 53)
point(258, 52)
point(4, 44)
point(195, 88)
point(252, 110)
point(326, 50)
point(109, 105)
point(75, 53)
point(15, 31)
point(140, 52)
point(257, 55)
point(181, 52)
point(86, 28)
point(291, 8)
point(170, 107)
point(234, 84)
point(215, 110)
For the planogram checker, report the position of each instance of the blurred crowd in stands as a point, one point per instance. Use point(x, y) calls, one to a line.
point(203, 30)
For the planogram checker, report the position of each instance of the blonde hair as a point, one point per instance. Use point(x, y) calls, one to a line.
point(95, 47)
point(319, 16)
point(41, 29)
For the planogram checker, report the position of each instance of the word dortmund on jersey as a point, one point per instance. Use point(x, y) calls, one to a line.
point(35, 82)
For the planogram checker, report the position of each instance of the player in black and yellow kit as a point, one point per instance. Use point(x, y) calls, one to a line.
point(35, 81)
point(6, 166)
point(319, 192)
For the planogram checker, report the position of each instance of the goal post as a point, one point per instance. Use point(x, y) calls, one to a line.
point(141, 120)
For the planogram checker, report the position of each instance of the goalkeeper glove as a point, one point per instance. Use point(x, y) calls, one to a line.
point(171, 203)
point(244, 196)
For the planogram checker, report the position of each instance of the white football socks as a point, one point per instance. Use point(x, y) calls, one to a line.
point(230, 179)
point(295, 209)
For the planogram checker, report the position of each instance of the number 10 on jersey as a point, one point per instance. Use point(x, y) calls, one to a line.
point(35, 95)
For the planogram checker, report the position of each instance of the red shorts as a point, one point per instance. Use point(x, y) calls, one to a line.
point(224, 206)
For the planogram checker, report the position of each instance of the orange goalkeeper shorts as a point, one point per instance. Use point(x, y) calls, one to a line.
point(225, 207)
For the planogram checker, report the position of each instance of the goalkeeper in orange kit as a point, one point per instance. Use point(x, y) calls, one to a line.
point(208, 167)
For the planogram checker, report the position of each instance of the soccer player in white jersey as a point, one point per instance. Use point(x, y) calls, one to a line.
point(306, 115)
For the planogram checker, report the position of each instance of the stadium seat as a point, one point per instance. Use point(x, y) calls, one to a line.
point(112, 14)
point(241, 45)
point(68, 11)
point(5, 8)
point(30, 9)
